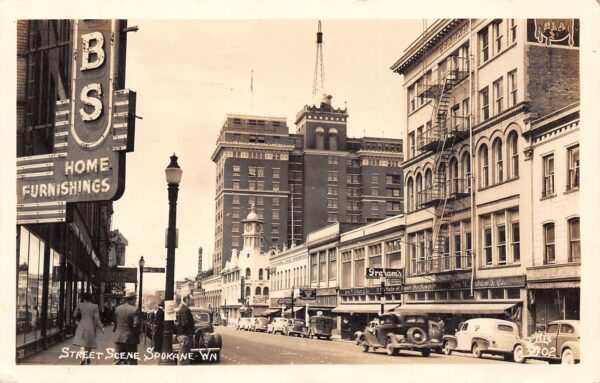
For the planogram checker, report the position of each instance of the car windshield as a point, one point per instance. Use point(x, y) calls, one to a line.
point(414, 320)
point(201, 317)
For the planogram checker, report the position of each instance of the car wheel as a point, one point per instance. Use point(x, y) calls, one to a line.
point(365, 347)
point(567, 357)
point(447, 348)
point(476, 351)
point(519, 354)
point(389, 347)
point(425, 352)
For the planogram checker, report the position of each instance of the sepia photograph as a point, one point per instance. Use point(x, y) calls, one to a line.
point(228, 192)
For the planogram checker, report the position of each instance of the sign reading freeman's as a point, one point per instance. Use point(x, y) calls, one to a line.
point(378, 272)
point(92, 131)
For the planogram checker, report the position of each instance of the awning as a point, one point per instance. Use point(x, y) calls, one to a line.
point(456, 308)
point(373, 308)
point(269, 312)
point(553, 285)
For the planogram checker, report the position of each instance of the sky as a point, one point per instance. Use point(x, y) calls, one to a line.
point(189, 74)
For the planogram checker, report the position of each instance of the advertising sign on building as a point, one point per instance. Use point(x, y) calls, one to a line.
point(308, 294)
point(120, 275)
point(93, 129)
point(170, 310)
point(549, 32)
point(378, 272)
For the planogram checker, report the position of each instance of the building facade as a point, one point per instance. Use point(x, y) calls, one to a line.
point(209, 295)
point(553, 275)
point(245, 278)
point(56, 261)
point(473, 89)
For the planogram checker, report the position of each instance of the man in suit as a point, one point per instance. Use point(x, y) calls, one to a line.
point(159, 325)
point(186, 331)
point(127, 326)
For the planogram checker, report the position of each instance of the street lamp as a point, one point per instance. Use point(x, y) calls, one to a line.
point(141, 263)
point(173, 175)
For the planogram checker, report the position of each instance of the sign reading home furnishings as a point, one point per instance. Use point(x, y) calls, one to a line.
point(93, 130)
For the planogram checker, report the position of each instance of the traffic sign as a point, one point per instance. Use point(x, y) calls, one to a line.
point(378, 272)
point(308, 294)
point(153, 269)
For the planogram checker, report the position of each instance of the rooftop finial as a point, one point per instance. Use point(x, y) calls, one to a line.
point(319, 77)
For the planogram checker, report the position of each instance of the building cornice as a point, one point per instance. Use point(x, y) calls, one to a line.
point(221, 145)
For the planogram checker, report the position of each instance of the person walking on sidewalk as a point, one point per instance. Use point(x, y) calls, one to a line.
point(159, 325)
point(186, 331)
point(85, 335)
point(127, 326)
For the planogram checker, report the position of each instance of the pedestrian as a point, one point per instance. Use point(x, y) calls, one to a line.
point(35, 316)
point(127, 326)
point(186, 331)
point(159, 326)
point(89, 322)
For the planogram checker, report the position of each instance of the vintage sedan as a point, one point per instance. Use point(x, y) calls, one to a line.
point(206, 344)
point(297, 328)
point(320, 326)
point(397, 332)
point(278, 325)
point(558, 343)
point(484, 336)
point(260, 324)
point(359, 336)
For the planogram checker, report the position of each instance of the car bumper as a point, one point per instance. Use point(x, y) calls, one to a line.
point(205, 349)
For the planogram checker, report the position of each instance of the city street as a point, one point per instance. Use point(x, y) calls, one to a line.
point(242, 347)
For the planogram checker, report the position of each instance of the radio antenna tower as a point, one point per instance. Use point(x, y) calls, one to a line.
point(319, 77)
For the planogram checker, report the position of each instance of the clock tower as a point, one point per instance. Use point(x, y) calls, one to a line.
point(252, 231)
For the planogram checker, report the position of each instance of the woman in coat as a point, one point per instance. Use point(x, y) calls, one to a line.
point(85, 335)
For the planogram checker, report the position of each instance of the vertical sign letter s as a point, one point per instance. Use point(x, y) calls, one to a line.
point(91, 101)
point(97, 49)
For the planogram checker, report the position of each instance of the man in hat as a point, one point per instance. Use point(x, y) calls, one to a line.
point(186, 330)
point(159, 326)
point(127, 326)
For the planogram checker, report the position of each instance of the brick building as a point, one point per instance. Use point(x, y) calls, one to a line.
point(473, 89)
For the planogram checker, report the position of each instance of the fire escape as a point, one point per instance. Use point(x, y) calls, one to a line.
point(442, 191)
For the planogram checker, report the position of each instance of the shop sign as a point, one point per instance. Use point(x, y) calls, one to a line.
point(117, 291)
point(370, 290)
point(308, 294)
point(450, 41)
point(153, 269)
point(93, 130)
point(326, 291)
point(379, 272)
point(515, 281)
point(284, 301)
point(120, 275)
point(259, 299)
point(549, 32)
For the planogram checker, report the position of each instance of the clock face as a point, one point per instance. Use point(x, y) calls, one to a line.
point(248, 227)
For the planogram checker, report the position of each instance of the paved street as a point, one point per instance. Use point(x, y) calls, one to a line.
point(242, 347)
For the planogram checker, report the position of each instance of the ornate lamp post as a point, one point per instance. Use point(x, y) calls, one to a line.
point(173, 175)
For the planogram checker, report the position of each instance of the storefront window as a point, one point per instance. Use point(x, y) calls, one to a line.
point(332, 264)
point(346, 269)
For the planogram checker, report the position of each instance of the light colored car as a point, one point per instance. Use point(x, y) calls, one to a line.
point(243, 324)
point(558, 343)
point(278, 325)
point(359, 336)
point(484, 336)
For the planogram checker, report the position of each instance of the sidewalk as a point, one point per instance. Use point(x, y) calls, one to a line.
point(60, 354)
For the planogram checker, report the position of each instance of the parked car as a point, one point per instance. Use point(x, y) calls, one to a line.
point(396, 332)
point(243, 324)
point(436, 332)
point(558, 343)
point(261, 324)
point(278, 325)
point(484, 336)
point(320, 326)
point(297, 328)
point(206, 344)
point(359, 335)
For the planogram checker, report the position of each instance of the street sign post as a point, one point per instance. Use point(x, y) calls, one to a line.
point(153, 269)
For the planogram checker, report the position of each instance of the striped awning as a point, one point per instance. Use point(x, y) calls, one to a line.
point(269, 312)
point(553, 285)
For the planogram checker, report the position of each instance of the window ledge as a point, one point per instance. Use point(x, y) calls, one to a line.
point(494, 57)
point(571, 190)
point(498, 184)
point(429, 101)
point(547, 196)
point(491, 267)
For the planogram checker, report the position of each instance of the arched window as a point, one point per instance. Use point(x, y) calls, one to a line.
point(320, 138)
point(257, 291)
point(442, 179)
point(498, 163)
point(454, 186)
point(411, 194)
point(419, 188)
point(260, 274)
point(333, 138)
point(428, 179)
point(484, 167)
point(248, 273)
point(247, 291)
point(513, 154)
point(265, 291)
point(466, 170)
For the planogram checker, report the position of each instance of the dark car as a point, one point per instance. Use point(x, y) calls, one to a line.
point(206, 345)
point(260, 324)
point(320, 326)
point(397, 332)
point(359, 336)
point(297, 328)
